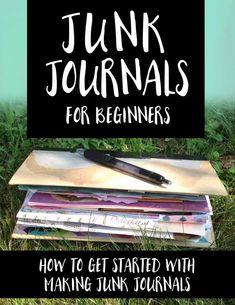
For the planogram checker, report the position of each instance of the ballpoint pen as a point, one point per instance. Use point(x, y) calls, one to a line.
point(125, 167)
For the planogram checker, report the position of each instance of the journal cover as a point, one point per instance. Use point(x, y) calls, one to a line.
point(71, 169)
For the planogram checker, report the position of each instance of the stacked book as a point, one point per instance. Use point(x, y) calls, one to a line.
point(69, 197)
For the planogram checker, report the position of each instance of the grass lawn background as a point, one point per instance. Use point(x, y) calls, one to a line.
point(218, 147)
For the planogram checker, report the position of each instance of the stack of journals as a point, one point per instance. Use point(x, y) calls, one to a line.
point(69, 197)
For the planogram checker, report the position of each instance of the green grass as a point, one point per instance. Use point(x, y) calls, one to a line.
point(117, 302)
point(218, 147)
